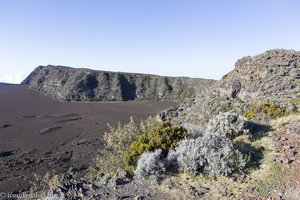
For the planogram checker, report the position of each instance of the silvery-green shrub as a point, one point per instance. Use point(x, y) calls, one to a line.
point(228, 124)
point(208, 154)
point(150, 166)
point(187, 157)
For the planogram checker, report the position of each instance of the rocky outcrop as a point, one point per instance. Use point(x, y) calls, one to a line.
point(286, 141)
point(270, 74)
point(121, 186)
point(70, 84)
point(274, 74)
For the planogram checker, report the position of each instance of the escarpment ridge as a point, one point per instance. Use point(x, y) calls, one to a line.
point(71, 84)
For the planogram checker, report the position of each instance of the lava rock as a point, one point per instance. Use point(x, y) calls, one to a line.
point(6, 153)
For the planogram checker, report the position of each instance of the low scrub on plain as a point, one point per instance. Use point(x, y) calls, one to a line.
point(42, 184)
point(117, 142)
point(121, 137)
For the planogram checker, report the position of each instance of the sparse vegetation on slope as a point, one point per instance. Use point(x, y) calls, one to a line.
point(212, 153)
point(272, 75)
point(270, 109)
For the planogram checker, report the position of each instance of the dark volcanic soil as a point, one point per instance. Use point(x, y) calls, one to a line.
point(38, 134)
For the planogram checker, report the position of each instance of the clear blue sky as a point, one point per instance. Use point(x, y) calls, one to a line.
point(196, 38)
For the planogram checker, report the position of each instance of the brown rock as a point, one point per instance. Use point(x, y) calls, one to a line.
point(285, 161)
point(236, 87)
point(286, 147)
point(293, 158)
point(283, 139)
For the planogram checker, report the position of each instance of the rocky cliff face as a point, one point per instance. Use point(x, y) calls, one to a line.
point(274, 74)
point(70, 84)
point(270, 74)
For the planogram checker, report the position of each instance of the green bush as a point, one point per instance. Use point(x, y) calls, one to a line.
point(272, 109)
point(164, 136)
point(266, 110)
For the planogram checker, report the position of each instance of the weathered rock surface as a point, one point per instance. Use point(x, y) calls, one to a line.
point(119, 187)
point(270, 74)
point(287, 144)
point(69, 84)
point(273, 74)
